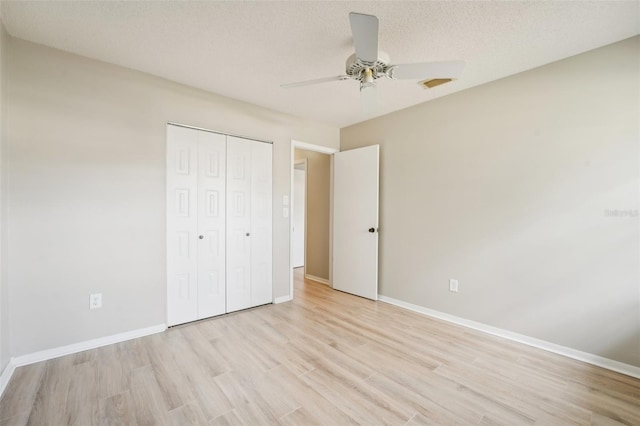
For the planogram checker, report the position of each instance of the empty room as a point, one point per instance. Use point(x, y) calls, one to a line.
point(319, 212)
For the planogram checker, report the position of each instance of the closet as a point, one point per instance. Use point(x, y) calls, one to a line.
point(219, 232)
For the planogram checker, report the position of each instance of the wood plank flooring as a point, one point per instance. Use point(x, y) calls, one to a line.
point(325, 358)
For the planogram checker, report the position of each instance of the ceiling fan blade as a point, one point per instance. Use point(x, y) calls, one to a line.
point(448, 69)
point(312, 82)
point(365, 36)
point(369, 99)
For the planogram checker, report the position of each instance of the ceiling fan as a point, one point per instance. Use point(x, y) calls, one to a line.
point(368, 64)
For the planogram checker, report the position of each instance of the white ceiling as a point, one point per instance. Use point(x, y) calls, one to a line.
point(245, 50)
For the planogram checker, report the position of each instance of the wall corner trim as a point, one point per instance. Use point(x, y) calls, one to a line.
point(5, 377)
point(282, 299)
point(598, 361)
point(47, 354)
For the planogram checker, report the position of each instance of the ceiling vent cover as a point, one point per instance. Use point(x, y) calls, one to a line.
point(429, 84)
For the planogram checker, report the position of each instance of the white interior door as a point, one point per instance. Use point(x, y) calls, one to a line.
point(297, 217)
point(238, 223)
point(355, 221)
point(211, 224)
point(182, 225)
point(261, 213)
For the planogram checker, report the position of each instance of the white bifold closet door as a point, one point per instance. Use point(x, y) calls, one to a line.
point(211, 224)
point(196, 175)
point(219, 232)
point(249, 253)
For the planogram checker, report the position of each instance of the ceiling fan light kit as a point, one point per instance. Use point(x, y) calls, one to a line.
point(368, 64)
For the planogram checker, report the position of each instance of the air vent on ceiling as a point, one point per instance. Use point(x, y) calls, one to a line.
point(429, 84)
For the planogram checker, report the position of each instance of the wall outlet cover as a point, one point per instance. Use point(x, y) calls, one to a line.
point(453, 285)
point(95, 301)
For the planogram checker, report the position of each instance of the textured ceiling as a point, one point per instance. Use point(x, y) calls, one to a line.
point(245, 50)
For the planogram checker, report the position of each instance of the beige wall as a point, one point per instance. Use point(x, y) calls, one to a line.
point(87, 183)
point(4, 287)
point(317, 212)
point(507, 187)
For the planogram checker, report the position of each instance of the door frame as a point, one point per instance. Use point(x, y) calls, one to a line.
point(305, 162)
point(323, 150)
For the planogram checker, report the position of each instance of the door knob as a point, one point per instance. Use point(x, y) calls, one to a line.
point(372, 230)
point(201, 237)
point(248, 234)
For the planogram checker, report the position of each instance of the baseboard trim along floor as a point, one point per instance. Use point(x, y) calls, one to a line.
point(592, 359)
point(327, 357)
point(317, 279)
point(282, 299)
point(47, 354)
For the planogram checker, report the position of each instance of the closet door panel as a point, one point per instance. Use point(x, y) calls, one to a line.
point(211, 224)
point(182, 225)
point(261, 224)
point(239, 235)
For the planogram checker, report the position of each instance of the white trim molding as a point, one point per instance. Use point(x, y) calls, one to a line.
point(317, 279)
point(312, 147)
point(47, 354)
point(282, 299)
point(86, 345)
point(6, 375)
point(609, 364)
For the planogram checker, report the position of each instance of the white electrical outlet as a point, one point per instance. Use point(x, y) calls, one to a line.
point(285, 200)
point(453, 285)
point(285, 212)
point(95, 301)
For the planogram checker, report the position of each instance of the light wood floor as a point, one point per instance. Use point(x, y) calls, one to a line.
point(326, 358)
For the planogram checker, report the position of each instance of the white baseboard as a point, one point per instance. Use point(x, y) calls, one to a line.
point(317, 279)
point(282, 299)
point(86, 345)
point(609, 364)
point(6, 375)
point(47, 354)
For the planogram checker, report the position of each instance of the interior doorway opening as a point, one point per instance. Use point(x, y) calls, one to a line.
point(311, 212)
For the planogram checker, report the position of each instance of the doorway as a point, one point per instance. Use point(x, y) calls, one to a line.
point(312, 242)
point(315, 203)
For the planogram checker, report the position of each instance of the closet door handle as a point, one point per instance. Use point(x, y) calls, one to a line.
point(201, 237)
point(248, 234)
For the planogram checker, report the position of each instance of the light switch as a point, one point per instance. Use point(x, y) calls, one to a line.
point(285, 200)
point(285, 212)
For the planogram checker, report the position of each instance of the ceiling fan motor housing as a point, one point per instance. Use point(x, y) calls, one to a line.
point(357, 69)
